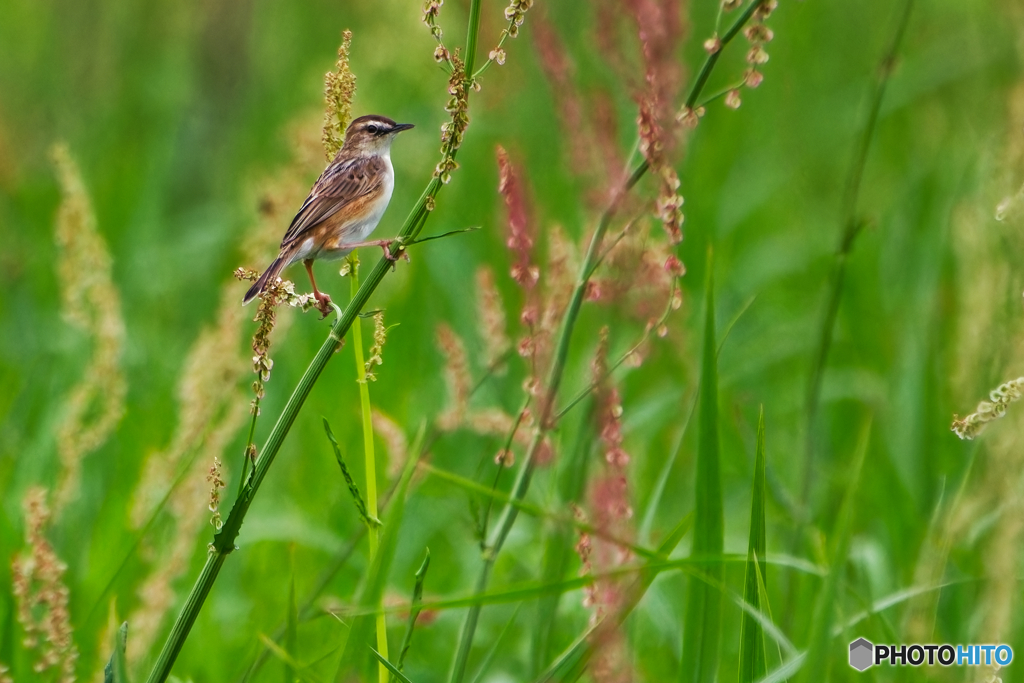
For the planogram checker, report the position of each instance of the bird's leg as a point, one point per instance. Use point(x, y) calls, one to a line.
point(323, 301)
point(385, 245)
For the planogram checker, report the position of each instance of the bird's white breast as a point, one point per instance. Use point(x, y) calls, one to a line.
point(362, 229)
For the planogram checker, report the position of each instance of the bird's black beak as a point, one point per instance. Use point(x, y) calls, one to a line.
point(399, 127)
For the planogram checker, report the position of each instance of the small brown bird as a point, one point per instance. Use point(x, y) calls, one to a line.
point(344, 206)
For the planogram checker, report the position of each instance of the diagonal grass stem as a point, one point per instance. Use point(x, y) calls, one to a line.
point(554, 379)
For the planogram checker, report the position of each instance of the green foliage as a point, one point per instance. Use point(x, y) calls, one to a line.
point(353, 488)
point(291, 631)
point(416, 606)
point(863, 206)
point(116, 670)
point(703, 608)
point(395, 671)
point(752, 644)
point(376, 580)
point(816, 667)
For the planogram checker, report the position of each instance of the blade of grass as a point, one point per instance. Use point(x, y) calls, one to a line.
point(309, 604)
point(353, 488)
point(570, 664)
point(702, 616)
point(534, 510)
point(376, 580)
point(666, 469)
point(388, 666)
point(816, 669)
point(534, 590)
point(116, 670)
point(764, 618)
point(291, 633)
point(752, 643)
point(496, 646)
point(770, 627)
point(441, 236)
point(300, 672)
point(414, 609)
point(558, 543)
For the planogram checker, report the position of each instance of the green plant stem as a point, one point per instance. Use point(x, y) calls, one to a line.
point(471, 35)
point(586, 391)
point(308, 607)
point(570, 664)
point(507, 448)
point(246, 460)
point(554, 379)
point(712, 59)
point(544, 424)
point(851, 226)
point(187, 617)
point(415, 606)
point(566, 520)
point(371, 463)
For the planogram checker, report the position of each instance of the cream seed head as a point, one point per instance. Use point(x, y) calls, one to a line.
point(987, 411)
point(757, 56)
point(380, 336)
point(431, 11)
point(339, 90)
point(216, 481)
point(40, 594)
point(90, 301)
point(765, 9)
point(491, 317)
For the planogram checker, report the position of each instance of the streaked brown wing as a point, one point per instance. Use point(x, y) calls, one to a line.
point(338, 186)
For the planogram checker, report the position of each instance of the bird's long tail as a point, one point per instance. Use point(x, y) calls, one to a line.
point(269, 275)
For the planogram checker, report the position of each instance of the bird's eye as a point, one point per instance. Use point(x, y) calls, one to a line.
point(372, 128)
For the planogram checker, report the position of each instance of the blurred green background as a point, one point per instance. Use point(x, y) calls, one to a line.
point(177, 113)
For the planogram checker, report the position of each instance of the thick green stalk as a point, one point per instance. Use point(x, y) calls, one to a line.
point(371, 463)
point(187, 617)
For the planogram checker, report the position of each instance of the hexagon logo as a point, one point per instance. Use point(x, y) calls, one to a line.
point(861, 651)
